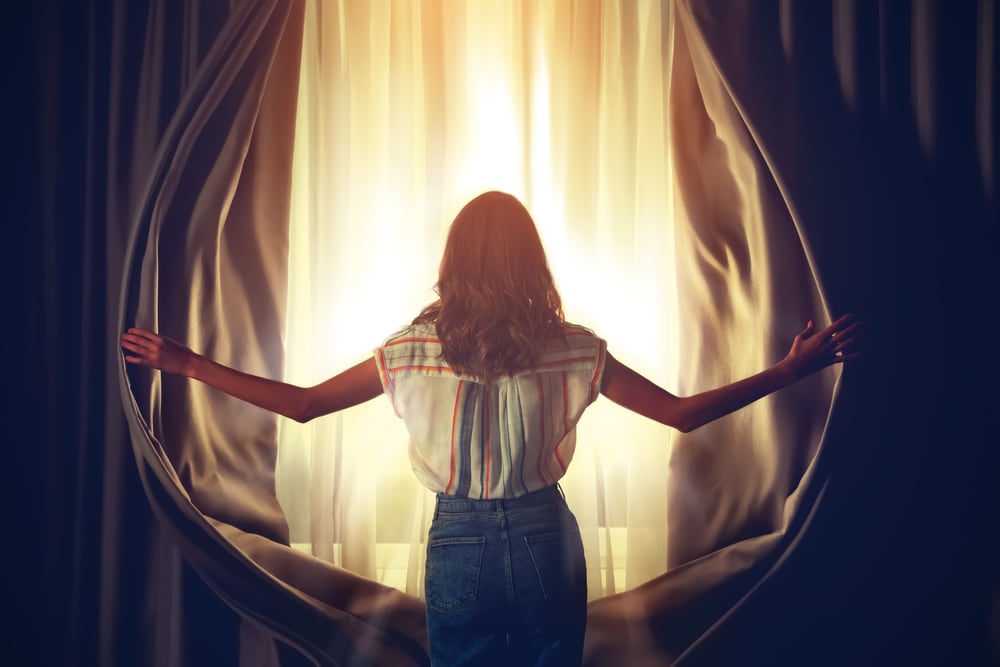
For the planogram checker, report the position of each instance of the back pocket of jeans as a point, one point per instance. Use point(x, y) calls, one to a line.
point(453, 566)
point(558, 562)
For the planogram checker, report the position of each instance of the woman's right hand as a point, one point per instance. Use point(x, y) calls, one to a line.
point(149, 349)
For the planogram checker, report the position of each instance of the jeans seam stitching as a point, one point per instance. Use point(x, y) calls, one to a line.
point(534, 563)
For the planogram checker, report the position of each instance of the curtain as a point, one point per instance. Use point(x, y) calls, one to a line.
point(877, 126)
point(210, 231)
point(100, 582)
point(667, 232)
point(407, 111)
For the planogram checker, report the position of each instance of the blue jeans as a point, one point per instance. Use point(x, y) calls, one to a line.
point(506, 582)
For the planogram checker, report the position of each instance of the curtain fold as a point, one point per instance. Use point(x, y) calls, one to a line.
point(212, 224)
point(206, 265)
point(151, 605)
point(649, 186)
point(745, 272)
point(374, 195)
point(738, 489)
point(209, 256)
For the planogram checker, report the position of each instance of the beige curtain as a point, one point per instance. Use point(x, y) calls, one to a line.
point(740, 490)
point(407, 110)
point(207, 265)
point(667, 232)
point(870, 126)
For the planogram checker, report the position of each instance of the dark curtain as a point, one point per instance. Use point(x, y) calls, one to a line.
point(95, 579)
point(880, 120)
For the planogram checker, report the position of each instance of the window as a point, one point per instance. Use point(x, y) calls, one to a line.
point(405, 113)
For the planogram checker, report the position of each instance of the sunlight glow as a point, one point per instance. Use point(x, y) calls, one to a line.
point(390, 143)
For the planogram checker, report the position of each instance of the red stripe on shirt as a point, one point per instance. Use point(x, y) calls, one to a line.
point(443, 369)
point(400, 341)
point(414, 355)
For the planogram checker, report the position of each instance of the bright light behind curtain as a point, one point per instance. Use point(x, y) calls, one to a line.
point(406, 111)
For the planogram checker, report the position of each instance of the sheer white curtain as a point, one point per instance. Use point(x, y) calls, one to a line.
point(406, 111)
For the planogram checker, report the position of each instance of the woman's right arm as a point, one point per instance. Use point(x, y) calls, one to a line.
point(355, 385)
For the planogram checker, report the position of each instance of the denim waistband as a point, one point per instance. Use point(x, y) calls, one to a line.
point(544, 496)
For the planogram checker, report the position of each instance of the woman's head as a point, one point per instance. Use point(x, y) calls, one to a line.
point(497, 299)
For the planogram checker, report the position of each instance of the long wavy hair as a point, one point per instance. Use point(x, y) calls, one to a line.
point(496, 298)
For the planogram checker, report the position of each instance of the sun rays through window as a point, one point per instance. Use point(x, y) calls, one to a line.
point(406, 111)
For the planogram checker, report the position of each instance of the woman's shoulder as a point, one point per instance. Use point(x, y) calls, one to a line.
point(578, 332)
point(574, 337)
point(578, 349)
point(413, 333)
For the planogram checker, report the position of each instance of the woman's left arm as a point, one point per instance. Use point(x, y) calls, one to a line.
point(356, 385)
point(811, 351)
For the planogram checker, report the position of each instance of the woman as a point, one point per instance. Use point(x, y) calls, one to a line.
point(490, 381)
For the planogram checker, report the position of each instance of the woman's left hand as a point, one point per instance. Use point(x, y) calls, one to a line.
point(814, 350)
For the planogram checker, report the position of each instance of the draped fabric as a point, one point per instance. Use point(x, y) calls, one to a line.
point(728, 483)
point(406, 112)
point(844, 156)
point(106, 79)
point(211, 221)
point(667, 232)
point(739, 490)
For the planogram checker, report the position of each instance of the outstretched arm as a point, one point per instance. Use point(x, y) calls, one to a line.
point(810, 352)
point(356, 385)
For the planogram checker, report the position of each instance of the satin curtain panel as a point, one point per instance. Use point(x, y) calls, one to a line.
point(616, 172)
point(602, 184)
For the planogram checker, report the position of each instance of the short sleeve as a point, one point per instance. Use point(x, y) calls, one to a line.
point(383, 376)
point(599, 364)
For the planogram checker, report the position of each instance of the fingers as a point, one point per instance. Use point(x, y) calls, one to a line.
point(134, 342)
point(842, 320)
point(144, 346)
point(843, 324)
point(842, 340)
point(141, 335)
point(841, 343)
point(841, 358)
point(841, 334)
point(138, 344)
point(850, 330)
point(813, 350)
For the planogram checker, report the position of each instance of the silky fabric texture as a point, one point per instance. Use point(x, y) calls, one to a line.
point(705, 252)
point(658, 622)
point(898, 211)
point(734, 486)
point(194, 422)
point(407, 111)
point(506, 582)
point(208, 261)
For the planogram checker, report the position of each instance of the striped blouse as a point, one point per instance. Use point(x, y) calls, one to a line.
point(499, 439)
